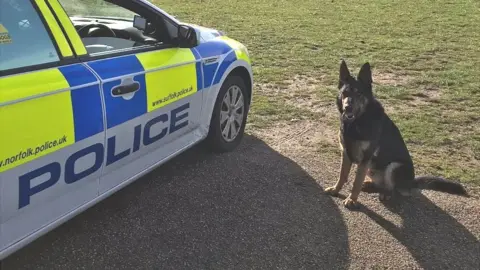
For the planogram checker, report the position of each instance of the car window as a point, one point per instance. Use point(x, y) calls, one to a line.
point(95, 8)
point(106, 28)
point(24, 40)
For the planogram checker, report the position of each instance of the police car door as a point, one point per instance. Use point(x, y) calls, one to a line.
point(149, 87)
point(51, 123)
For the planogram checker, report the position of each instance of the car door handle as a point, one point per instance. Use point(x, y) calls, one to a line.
point(125, 89)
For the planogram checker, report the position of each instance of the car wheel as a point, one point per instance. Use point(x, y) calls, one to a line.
point(229, 116)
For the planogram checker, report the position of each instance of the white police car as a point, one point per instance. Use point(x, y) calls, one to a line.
point(94, 94)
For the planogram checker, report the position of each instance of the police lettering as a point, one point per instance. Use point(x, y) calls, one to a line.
point(178, 120)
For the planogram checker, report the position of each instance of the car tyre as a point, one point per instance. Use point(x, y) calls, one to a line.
point(231, 107)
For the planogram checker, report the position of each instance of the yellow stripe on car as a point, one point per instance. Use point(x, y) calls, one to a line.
point(240, 49)
point(31, 84)
point(165, 86)
point(34, 127)
point(62, 43)
point(67, 24)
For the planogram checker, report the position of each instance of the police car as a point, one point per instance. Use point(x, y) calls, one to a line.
point(94, 94)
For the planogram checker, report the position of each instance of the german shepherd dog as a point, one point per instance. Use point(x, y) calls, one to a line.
point(369, 139)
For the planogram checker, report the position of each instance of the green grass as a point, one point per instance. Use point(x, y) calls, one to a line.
point(431, 46)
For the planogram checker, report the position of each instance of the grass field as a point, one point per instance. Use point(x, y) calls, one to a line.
point(425, 56)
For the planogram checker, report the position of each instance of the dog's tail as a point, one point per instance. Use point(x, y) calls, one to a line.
point(439, 184)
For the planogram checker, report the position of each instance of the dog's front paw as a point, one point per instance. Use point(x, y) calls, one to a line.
point(350, 203)
point(332, 191)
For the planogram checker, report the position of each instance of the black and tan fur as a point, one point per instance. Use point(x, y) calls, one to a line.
point(370, 139)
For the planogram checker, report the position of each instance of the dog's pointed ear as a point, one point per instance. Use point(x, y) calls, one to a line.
point(365, 74)
point(344, 74)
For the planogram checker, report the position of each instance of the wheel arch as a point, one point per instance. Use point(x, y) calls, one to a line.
point(240, 68)
point(243, 73)
point(240, 71)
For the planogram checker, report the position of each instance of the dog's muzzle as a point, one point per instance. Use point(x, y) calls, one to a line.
point(348, 113)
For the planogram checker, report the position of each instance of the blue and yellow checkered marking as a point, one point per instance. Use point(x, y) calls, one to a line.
point(213, 72)
point(229, 59)
point(118, 109)
point(211, 49)
point(41, 107)
point(214, 47)
point(171, 74)
point(40, 114)
point(198, 66)
point(86, 101)
point(164, 77)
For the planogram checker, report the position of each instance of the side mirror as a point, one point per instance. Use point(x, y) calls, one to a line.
point(187, 36)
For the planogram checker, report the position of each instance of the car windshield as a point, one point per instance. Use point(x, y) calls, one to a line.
point(96, 8)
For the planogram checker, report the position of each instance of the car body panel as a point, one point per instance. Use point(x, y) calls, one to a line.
point(87, 143)
point(38, 184)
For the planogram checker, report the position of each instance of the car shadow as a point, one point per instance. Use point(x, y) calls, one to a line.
point(252, 208)
point(433, 237)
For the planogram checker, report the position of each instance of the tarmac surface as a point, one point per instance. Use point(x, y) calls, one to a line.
point(256, 208)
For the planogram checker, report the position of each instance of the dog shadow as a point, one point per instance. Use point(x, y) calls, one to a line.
point(433, 237)
point(251, 208)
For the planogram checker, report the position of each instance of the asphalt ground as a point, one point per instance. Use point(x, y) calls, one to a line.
point(256, 208)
